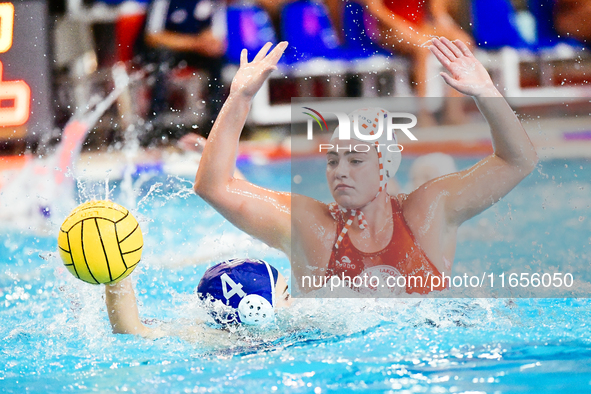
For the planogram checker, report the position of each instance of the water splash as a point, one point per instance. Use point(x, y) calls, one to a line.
point(46, 183)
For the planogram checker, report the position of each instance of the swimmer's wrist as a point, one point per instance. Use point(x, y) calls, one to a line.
point(489, 90)
point(124, 283)
point(241, 96)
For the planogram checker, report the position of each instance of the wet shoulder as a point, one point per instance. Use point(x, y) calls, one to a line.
point(423, 212)
point(309, 210)
point(313, 227)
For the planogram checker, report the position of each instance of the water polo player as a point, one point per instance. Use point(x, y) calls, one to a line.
point(366, 229)
point(235, 291)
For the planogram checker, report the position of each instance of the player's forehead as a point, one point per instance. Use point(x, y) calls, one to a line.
point(338, 146)
point(349, 148)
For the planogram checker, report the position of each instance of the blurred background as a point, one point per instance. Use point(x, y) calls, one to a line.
point(167, 64)
point(114, 99)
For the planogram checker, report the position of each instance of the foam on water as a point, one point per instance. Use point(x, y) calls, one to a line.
point(57, 337)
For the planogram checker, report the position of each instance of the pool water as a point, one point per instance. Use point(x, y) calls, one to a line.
point(56, 335)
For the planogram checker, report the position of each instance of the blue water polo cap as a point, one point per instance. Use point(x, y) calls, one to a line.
point(245, 285)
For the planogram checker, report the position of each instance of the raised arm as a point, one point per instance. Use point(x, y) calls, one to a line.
point(472, 191)
point(263, 213)
point(123, 312)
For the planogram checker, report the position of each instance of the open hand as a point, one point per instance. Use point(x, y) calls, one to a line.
point(250, 76)
point(466, 74)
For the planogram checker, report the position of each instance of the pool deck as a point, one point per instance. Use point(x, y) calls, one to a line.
point(553, 138)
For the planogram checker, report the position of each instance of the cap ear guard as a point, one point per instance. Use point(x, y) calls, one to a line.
point(392, 163)
point(255, 310)
point(243, 286)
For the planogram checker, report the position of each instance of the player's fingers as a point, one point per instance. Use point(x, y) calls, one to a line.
point(439, 55)
point(276, 53)
point(452, 47)
point(243, 57)
point(263, 52)
point(463, 47)
point(444, 49)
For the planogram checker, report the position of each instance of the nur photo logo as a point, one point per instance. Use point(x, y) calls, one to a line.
point(387, 123)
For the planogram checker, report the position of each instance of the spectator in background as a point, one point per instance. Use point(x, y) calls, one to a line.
point(185, 31)
point(405, 26)
point(572, 18)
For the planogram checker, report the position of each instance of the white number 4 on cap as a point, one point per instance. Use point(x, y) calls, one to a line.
point(235, 288)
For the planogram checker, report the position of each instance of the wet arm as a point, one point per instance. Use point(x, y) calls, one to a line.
point(263, 213)
point(123, 311)
point(514, 158)
point(510, 141)
point(474, 190)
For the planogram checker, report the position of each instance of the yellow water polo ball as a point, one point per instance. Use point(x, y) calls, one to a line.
point(100, 242)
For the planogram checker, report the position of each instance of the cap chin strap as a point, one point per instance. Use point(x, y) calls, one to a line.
point(339, 213)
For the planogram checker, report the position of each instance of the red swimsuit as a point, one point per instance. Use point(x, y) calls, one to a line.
point(401, 257)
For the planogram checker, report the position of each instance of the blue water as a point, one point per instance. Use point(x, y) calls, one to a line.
point(56, 336)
